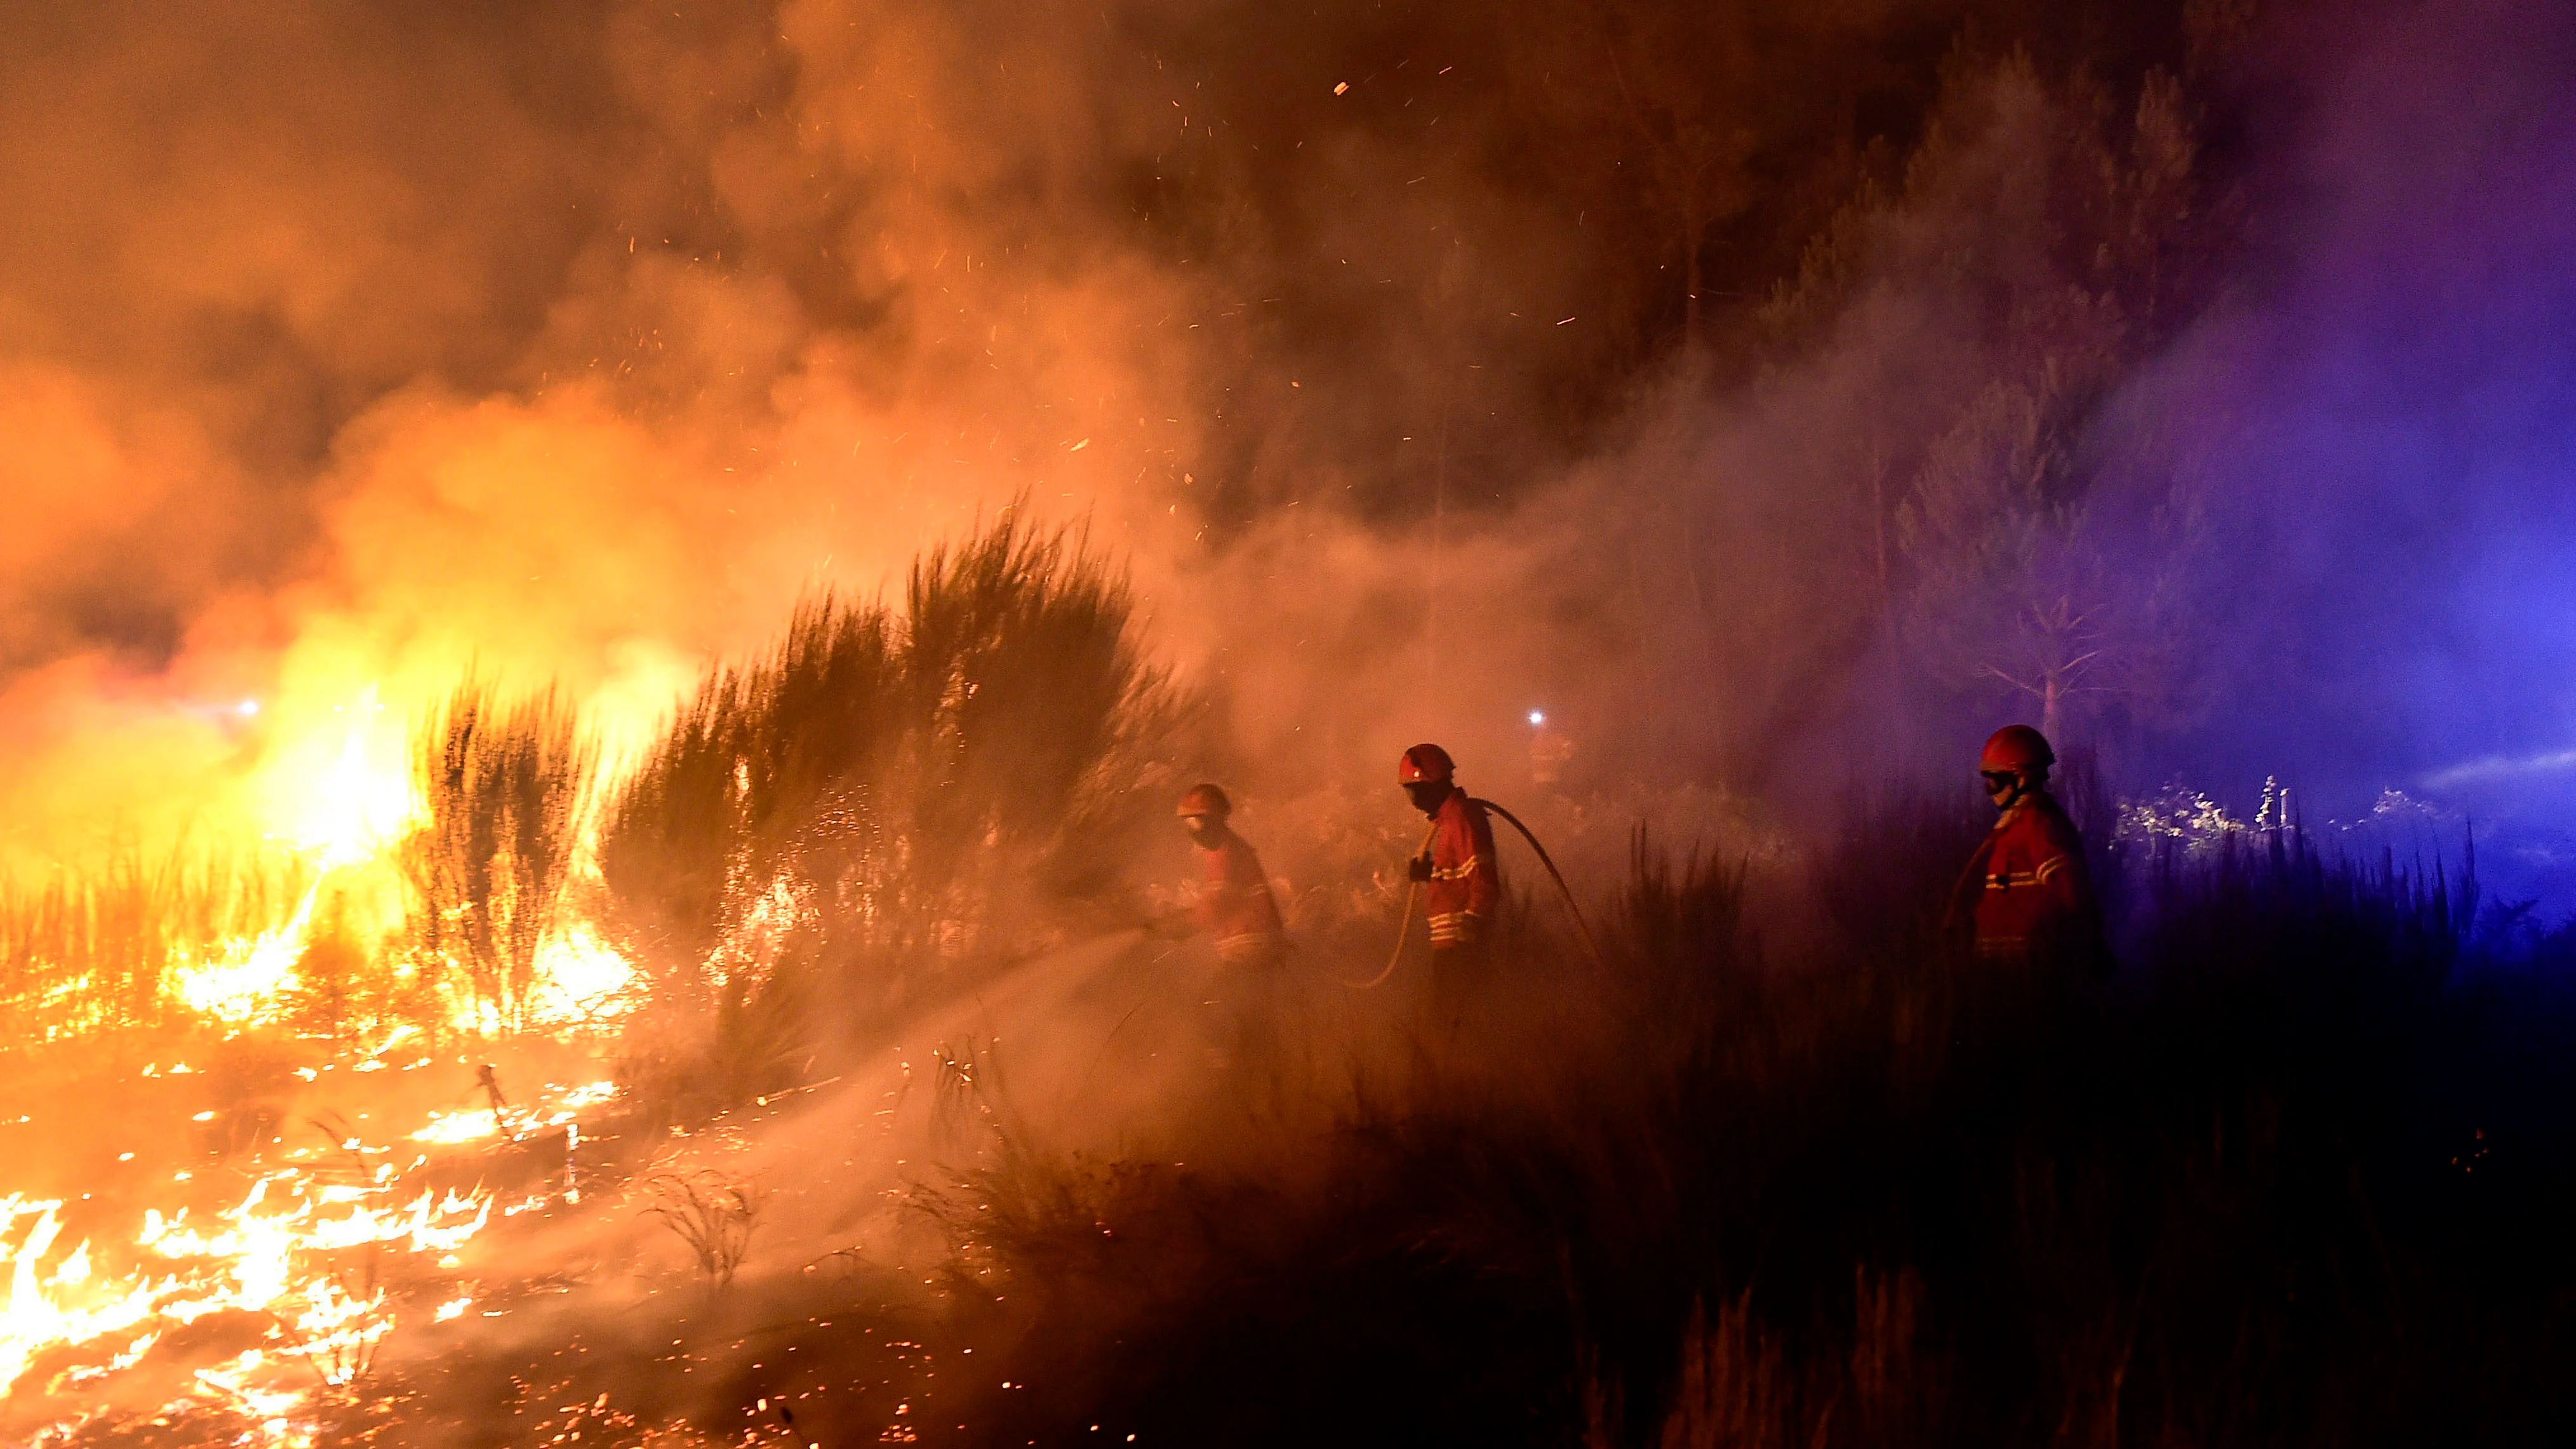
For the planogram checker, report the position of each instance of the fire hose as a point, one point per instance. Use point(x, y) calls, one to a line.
point(1403, 924)
point(1413, 890)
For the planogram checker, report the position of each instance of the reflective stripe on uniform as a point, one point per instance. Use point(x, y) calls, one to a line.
point(1454, 927)
point(2004, 880)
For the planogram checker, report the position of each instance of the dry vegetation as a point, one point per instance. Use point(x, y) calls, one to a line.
point(2296, 1177)
point(1795, 1172)
point(82, 953)
point(883, 810)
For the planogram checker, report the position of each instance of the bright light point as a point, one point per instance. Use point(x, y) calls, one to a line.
point(1538, 717)
point(246, 708)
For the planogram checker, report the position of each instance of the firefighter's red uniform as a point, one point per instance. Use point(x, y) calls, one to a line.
point(1235, 906)
point(1459, 882)
point(1463, 890)
point(2032, 895)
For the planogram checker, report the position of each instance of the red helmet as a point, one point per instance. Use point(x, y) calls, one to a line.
point(2016, 747)
point(1426, 765)
point(1205, 800)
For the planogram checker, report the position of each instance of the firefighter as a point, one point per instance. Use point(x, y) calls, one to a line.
point(1457, 872)
point(2026, 889)
point(1234, 905)
point(1236, 910)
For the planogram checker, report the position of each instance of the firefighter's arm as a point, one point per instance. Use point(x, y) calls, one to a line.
point(2064, 882)
point(2074, 913)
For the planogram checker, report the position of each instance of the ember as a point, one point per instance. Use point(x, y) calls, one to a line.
point(326, 1260)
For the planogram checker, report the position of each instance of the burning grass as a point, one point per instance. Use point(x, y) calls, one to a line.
point(239, 1298)
point(2296, 1175)
point(876, 817)
point(140, 943)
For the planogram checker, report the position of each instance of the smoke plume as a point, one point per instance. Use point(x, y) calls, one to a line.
point(1739, 389)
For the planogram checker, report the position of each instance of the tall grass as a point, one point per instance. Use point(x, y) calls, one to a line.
point(2301, 1174)
point(98, 950)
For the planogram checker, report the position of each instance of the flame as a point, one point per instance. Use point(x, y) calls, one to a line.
point(451, 1127)
point(355, 819)
point(281, 1251)
point(581, 978)
point(248, 979)
point(341, 791)
point(460, 1126)
point(296, 1249)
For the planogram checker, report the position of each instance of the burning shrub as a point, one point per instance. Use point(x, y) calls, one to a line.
point(716, 843)
point(1040, 721)
point(503, 788)
point(882, 796)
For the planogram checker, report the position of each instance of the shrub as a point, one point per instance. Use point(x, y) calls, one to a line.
point(882, 798)
point(504, 787)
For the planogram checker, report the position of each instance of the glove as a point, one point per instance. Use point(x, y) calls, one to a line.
point(1418, 869)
